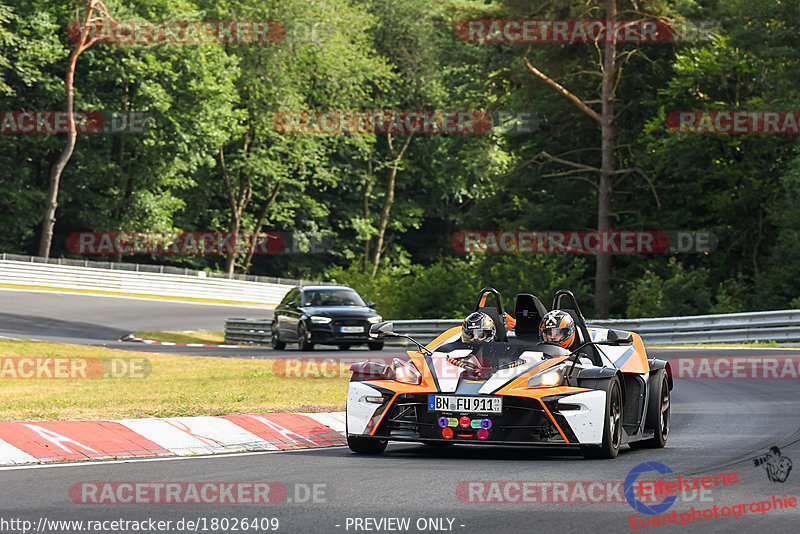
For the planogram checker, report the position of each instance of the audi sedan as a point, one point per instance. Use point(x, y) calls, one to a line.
point(324, 315)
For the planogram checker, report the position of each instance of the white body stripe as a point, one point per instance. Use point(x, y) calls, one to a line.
point(359, 411)
point(586, 423)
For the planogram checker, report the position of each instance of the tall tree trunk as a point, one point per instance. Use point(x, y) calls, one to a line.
point(602, 279)
point(365, 191)
point(237, 201)
point(46, 239)
point(260, 224)
point(388, 200)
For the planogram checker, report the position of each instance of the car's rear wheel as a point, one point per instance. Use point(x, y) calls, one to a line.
point(361, 445)
point(276, 342)
point(302, 338)
point(657, 412)
point(612, 426)
point(375, 346)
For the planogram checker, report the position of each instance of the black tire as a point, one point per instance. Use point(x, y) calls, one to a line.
point(344, 347)
point(361, 445)
point(276, 342)
point(612, 424)
point(657, 412)
point(302, 342)
point(375, 346)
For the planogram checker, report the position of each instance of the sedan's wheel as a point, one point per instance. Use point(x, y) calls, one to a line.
point(612, 426)
point(344, 347)
point(657, 412)
point(361, 445)
point(276, 342)
point(302, 338)
point(375, 346)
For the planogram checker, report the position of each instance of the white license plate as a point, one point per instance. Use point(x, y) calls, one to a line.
point(351, 329)
point(444, 403)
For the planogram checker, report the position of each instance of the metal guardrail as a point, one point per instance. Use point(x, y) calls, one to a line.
point(138, 282)
point(247, 331)
point(781, 326)
point(161, 269)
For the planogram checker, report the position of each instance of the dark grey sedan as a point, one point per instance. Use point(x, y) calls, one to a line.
point(324, 315)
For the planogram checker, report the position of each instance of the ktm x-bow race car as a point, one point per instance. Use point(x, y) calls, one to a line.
point(596, 394)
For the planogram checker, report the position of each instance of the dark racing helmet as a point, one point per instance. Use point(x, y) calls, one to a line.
point(478, 327)
point(557, 327)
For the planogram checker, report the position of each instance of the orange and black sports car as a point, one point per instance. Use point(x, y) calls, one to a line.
point(596, 395)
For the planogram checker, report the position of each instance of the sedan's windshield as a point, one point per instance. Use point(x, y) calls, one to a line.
point(332, 297)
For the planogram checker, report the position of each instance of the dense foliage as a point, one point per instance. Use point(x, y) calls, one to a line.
point(388, 215)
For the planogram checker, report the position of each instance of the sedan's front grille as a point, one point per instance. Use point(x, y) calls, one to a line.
point(350, 322)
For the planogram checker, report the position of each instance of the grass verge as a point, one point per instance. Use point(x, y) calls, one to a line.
point(208, 338)
point(176, 386)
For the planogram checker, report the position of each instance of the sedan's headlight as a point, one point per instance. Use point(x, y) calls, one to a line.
point(375, 319)
point(548, 378)
point(406, 372)
point(319, 319)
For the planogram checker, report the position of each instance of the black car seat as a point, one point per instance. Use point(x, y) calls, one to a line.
point(581, 331)
point(528, 313)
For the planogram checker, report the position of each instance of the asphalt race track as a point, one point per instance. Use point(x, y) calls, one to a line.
point(718, 426)
point(99, 321)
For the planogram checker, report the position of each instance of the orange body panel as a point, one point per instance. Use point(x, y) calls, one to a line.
point(638, 362)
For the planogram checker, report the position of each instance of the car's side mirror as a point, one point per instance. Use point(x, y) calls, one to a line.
point(292, 304)
point(619, 337)
point(371, 371)
point(370, 304)
point(381, 330)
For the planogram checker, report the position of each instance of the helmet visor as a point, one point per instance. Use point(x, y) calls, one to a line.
point(477, 334)
point(555, 335)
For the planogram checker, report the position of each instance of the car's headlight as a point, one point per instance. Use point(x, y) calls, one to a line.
point(375, 319)
point(319, 319)
point(548, 378)
point(406, 372)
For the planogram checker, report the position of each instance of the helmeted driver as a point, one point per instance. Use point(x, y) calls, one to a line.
point(478, 327)
point(557, 327)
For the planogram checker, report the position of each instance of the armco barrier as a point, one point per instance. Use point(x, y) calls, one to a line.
point(781, 326)
point(139, 279)
point(247, 331)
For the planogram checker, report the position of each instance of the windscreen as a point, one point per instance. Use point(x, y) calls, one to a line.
point(333, 297)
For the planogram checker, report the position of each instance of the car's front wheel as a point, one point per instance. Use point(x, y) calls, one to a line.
point(376, 345)
point(361, 445)
point(275, 341)
point(612, 425)
point(303, 342)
